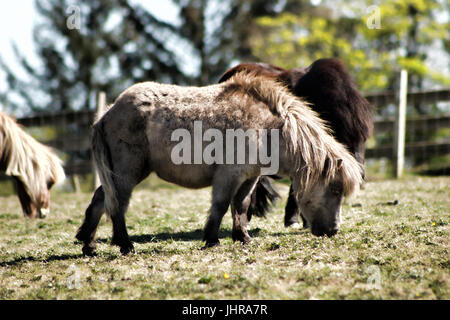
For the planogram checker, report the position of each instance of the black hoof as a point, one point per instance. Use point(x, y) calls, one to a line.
point(241, 236)
point(210, 244)
point(126, 249)
point(89, 251)
point(290, 220)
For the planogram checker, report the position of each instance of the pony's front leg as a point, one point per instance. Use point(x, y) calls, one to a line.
point(86, 233)
point(239, 208)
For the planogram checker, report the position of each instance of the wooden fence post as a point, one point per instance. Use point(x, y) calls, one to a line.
point(76, 183)
point(101, 106)
point(400, 126)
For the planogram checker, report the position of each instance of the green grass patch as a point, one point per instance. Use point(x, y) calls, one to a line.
point(384, 249)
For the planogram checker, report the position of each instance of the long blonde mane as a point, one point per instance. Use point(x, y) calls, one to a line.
point(312, 148)
point(24, 157)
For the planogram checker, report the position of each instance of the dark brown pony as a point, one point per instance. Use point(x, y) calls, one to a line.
point(328, 86)
point(35, 168)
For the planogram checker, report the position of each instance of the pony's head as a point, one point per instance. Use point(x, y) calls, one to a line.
point(320, 203)
point(34, 167)
point(35, 205)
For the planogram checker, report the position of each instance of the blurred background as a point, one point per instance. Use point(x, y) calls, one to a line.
point(58, 55)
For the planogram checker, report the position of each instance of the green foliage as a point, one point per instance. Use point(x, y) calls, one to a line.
point(120, 43)
point(374, 55)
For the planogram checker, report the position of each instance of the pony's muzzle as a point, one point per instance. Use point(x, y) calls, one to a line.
point(43, 212)
point(319, 231)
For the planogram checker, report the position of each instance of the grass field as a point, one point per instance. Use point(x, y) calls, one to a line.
point(382, 251)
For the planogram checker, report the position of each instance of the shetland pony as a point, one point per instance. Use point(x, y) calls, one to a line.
point(135, 138)
point(33, 167)
point(330, 89)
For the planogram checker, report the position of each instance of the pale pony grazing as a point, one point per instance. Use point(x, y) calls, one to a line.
point(133, 139)
point(34, 167)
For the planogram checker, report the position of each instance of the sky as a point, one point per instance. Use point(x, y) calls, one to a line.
point(16, 24)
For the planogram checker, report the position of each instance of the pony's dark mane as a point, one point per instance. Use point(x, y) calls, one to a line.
point(261, 69)
point(331, 90)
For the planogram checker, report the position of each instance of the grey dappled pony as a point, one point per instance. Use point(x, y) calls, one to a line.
point(134, 138)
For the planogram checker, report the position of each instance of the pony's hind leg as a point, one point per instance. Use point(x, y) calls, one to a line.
point(219, 207)
point(224, 188)
point(95, 210)
point(239, 207)
point(117, 213)
point(292, 212)
point(117, 200)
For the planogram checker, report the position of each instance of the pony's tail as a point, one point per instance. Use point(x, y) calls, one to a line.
point(102, 160)
point(262, 197)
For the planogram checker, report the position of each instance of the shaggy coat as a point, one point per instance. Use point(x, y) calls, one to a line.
point(133, 139)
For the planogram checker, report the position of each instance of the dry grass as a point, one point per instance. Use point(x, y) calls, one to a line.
point(381, 252)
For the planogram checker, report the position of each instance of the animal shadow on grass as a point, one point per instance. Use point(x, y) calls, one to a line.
point(195, 235)
point(51, 258)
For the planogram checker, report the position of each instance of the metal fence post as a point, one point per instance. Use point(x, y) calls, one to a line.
point(400, 126)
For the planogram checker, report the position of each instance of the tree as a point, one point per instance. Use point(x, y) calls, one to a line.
point(411, 30)
point(112, 44)
point(408, 29)
point(116, 44)
point(220, 32)
point(99, 54)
